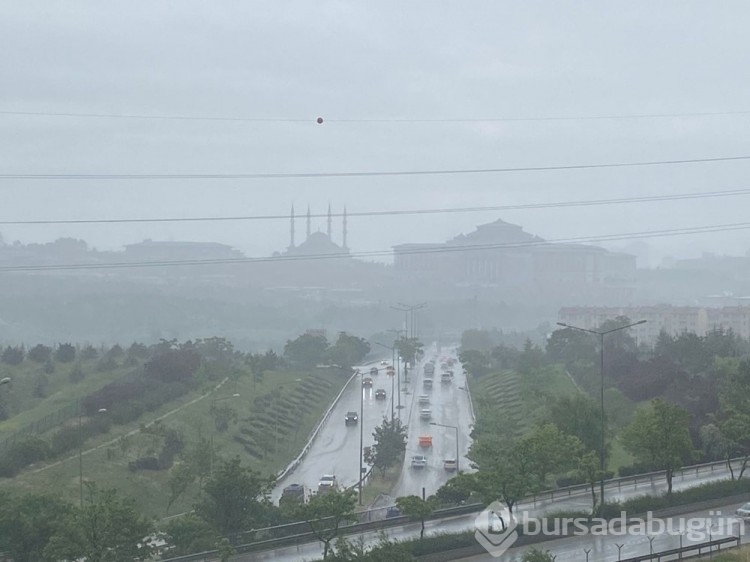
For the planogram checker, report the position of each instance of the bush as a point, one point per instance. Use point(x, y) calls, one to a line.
point(40, 386)
point(21, 454)
point(708, 491)
point(49, 367)
point(65, 353)
point(13, 355)
point(634, 469)
point(76, 374)
point(144, 463)
point(40, 353)
point(89, 352)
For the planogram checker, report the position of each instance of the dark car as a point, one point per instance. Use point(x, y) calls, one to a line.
point(373, 371)
point(294, 493)
point(352, 418)
point(367, 382)
point(392, 512)
point(380, 394)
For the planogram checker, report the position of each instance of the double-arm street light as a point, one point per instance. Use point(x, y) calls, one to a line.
point(457, 453)
point(393, 392)
point(601, 335)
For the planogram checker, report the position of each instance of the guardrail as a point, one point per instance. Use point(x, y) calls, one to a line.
point(306, 449)
point(691, 550)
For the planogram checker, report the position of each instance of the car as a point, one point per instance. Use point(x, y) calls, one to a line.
point(367, 382)
point(425, 441)
point(392, 512)
point(327, 483)
point(384, 362)
point(380, 394)
point(418, 461)
point(450, 465)
point(445, 378)
point(425, 414)
point(743, 512)
point(352, 418)
point(424, 399)
point(427, 383)
point(373, 371)
point(294, 493)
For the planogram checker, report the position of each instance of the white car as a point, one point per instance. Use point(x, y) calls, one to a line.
point(418, 461)
point(743, 512)
point(424, 399)
point(425, 414)
point(327, 482)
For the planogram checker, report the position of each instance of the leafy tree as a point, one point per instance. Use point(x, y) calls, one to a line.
point(27, 522)
point(41, 383)
point(348, 350)
point(531, 358)
point(307, 351)
point(65, 353)
point(579, 415)
point(223, 415)
point(504, 469)
point(234, 497)
point(735, 431)
point(49, 367)
point(659, 436)
point(475, 362)
point(189, 534)
point(551, 451)
point(89, 352)
point(416, 508)
point(40, 353)
point(569, 346)
point(137, 351)
point(173, 365)
point(390, 444)
point(455, 491)
point(410, 349)
point(260, 363)
point(589, 470)
point(13, 355)
point(325, 513)
point(107, 529)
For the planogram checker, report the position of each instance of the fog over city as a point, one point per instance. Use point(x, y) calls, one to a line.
point(400, 87)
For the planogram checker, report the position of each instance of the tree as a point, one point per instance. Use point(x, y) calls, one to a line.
point(76, 374)
point(659, 435)
point(569, 346)
point(40, 353)
point(455, 491)
point(260, 363)
point(234, 497)
point(107, 529)
point(552, 451)
point(27, 523)
point(89, 352)
point(589, 470)
point(416, 508)
point(325, 513)
point(390, 444)
point(475, 362)
point(13, 355)
point(581, 416)
point(504, 469)
point(735, 430)
point(189, 534)
point(65, 353)
point(410, 349)
point(307, 351)
point(348, 350)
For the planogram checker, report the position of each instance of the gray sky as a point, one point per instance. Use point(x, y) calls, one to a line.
point(373, 60)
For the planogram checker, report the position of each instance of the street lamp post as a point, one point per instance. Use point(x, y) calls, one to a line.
point(601, 372)
point(458, 465)
point(80, 449)
point(362, 431)
point(393, 392)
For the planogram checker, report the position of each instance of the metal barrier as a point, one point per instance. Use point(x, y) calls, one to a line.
point(690, 550)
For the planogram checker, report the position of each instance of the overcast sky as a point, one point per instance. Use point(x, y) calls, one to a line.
point(373, 61)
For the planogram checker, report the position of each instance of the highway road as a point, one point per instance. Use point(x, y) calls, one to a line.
point(573, 546)
point(713, 524)
point(336, 448)
point(449, 404)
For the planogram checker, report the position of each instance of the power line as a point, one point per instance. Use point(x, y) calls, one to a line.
point(438, 249)
point(361, 174)
point(699, 114)
point(449, 210)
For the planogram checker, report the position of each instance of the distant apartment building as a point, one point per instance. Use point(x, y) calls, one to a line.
point(674, 320)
